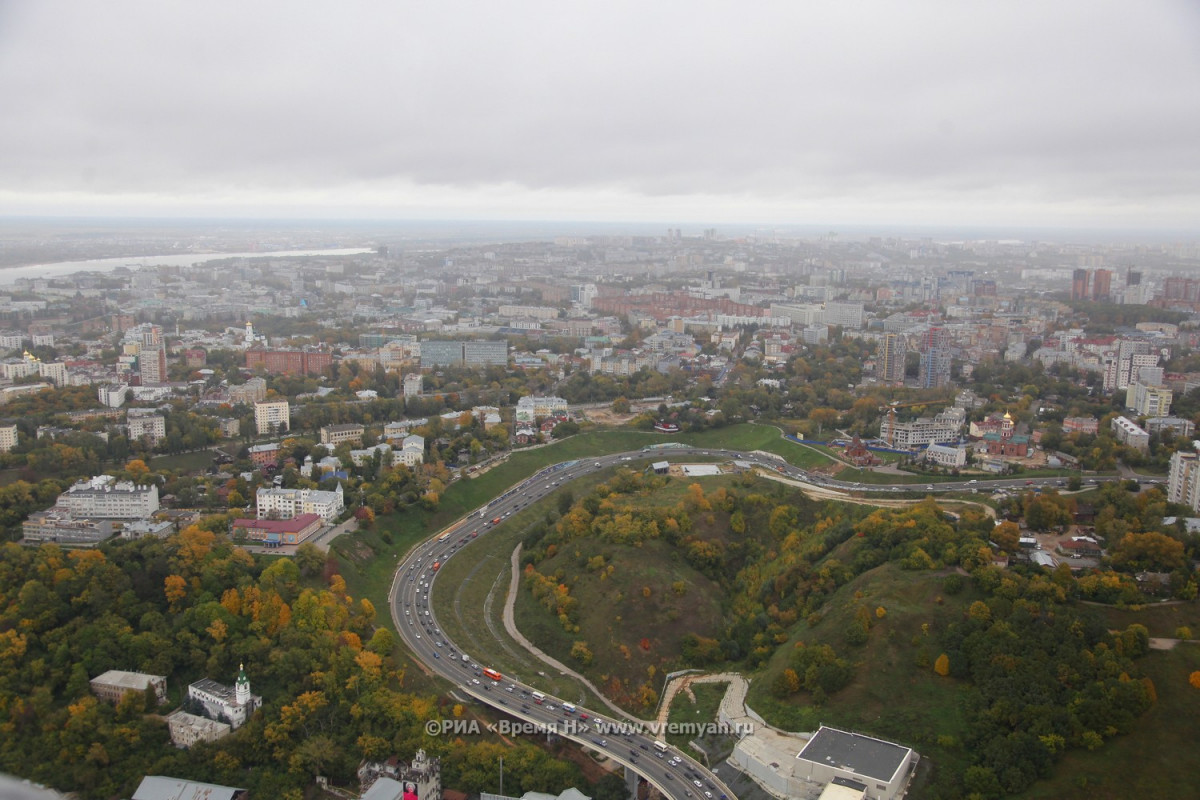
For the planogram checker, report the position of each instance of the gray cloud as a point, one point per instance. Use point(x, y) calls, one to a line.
point(876, 111)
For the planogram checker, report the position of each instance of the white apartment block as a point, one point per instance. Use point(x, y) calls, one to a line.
point(288, 503)
point(113, 395)
point(413, 384)
point(151, 426)
point(272, 417)
point(846, 315)
point(8, 438)
point(1129, 432)
point(103, 497)
point(530, 312)
point(1183, 480)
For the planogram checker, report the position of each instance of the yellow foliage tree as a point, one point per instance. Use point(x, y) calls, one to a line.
point(1194, 679)
point(218, 630)
point(942, 665)
point(176, 589)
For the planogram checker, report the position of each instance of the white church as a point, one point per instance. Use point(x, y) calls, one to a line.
point(224, 704)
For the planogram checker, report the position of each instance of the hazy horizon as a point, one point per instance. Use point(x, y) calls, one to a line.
point(1065, 116)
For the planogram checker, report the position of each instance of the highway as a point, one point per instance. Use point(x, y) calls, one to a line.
point(670, 770)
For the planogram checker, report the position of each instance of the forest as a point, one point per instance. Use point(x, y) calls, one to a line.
point(194, 606)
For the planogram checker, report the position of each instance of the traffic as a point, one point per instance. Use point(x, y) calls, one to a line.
point(673, 773)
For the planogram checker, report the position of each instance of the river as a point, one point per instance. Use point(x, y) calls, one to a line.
point(60, 268)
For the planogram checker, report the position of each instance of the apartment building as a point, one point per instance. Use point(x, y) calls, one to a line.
point(272, 417)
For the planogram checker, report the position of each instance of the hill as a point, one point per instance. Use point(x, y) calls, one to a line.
point(865, 620)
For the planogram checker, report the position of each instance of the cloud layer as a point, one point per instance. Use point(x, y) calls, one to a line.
point(1080, 113)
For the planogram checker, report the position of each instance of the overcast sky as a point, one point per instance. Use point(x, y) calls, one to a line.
point(1066, 113)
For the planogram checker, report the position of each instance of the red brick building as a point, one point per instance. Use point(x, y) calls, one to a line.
point(297, 362)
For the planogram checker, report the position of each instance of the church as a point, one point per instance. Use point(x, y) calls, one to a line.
point(222, 703)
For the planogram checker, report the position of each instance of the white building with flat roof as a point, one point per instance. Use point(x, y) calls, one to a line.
point(882, 769)
point(104, 497)
point(288, 503)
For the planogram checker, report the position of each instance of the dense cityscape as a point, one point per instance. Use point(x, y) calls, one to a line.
point(599, 401)
point(299, 417)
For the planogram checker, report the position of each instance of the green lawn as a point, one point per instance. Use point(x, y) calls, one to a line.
point(186, 462)
point(686, 711)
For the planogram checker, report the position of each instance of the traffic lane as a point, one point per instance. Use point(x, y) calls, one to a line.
point(636, 753)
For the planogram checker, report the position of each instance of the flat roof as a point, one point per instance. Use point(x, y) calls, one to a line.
point(856, 753)
point(293, 525)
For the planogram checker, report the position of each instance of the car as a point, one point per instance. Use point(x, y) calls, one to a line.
point(708, 795)
point(601, 742)
point(668, 776)
point(418, 636)
point(549, 706)
point(475, 681)
point(510, 688)
point(583, 716)
point(643, 747)
point(697, 784)
point(524, 706)
point(435, 655)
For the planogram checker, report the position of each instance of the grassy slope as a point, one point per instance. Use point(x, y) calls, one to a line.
point(626, 616)
point(887, 665)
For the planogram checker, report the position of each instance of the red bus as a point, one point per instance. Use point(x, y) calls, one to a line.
point(436, 564)
point(488, 672)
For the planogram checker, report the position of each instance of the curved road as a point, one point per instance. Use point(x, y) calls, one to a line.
point(671, 771)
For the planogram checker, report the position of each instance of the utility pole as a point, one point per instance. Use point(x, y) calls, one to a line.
point(501, 776)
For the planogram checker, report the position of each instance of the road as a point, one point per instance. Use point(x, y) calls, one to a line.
point(671, 771)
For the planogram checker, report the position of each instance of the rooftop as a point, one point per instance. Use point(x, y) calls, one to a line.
point(860, 754)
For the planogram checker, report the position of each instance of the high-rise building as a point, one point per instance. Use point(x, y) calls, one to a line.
point(935, 358)
point(1133, 277)
point(1182, 478)
point(1102, 285)
point(152, 356)
point(1079, 284)
point(890, 358)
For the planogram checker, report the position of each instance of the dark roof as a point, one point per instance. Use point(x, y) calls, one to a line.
point(854, 752)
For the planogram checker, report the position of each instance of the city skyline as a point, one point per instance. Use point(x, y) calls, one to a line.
point(1074, 115)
